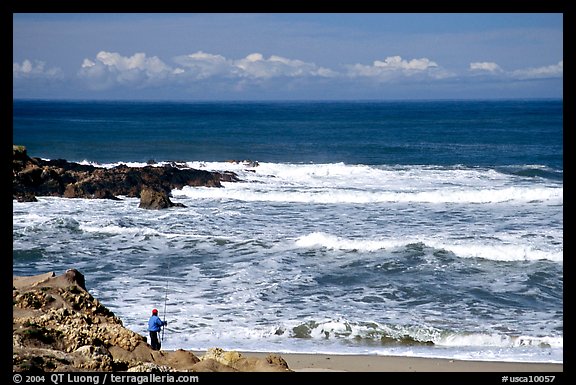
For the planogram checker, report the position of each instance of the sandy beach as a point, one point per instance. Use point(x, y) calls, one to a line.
point(372, 363)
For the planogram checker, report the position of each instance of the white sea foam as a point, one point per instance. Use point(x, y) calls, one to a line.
point(315, 195)
point(337, 183)
point(496, 252)
point(360, 184)
point(504, 252)
point(328, 247)
point(323, 240)
point(499, 340)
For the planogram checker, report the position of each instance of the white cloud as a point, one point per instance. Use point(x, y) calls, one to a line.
point(551, 71)
point(87, 63)
point(485, 66)
point(254, 57)
point(36, 69)
point(201, 65)
point(394, 67)
point(397, 63)
point(493, 69)
point(256, 66)
point(110, 68)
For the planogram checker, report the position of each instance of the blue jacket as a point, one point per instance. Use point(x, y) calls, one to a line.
point(155, 323)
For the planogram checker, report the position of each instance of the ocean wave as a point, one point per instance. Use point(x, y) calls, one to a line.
point(326, 195)
point(375, 334)
point(139, 231)
point(533, 171)
point(489, 339)
point(307, 172)
point(36, 224)
point(340, 183)
point(407, 335)
point(495, 252)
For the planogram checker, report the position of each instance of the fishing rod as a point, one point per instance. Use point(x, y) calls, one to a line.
point(166, 298)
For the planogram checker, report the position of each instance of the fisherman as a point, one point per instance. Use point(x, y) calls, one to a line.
point(154, 326)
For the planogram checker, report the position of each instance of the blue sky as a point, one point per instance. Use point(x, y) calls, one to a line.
point(283, 56)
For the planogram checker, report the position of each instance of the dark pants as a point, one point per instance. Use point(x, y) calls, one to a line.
point(154, 341)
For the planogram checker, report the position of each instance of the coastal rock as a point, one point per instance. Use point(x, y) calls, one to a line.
point(211, 365)
point(182, 359)
point(58, 325)
point(38, 177)
point(149, 367)
point(95, 358)
point(19, 153)
point(222, 356)
point(235, 360)
point(277, 360)
point(245, 162)
point(75, 277)
point(26, 197)
point(155, 200)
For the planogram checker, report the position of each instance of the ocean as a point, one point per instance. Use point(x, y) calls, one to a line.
point(407, 228)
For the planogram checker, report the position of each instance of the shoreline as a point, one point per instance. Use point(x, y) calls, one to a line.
point(59, 326)
point(309, 362)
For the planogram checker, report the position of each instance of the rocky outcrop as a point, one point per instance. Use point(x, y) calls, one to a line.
point(59, 326)
point(33, 177)
point(240, 363)
point(155, 200)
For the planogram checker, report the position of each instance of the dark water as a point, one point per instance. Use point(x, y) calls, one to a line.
point(471, 133)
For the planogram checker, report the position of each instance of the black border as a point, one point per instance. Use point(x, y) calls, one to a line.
point(318, 6)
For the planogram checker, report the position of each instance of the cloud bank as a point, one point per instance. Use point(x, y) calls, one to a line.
point(551, 71)
point(138, 71)
point(34, 69)
point(108, 69)
point(545, 72)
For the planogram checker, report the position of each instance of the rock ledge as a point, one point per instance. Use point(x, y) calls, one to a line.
point(58, 325)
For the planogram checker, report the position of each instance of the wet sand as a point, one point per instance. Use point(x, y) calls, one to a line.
point(372, 363)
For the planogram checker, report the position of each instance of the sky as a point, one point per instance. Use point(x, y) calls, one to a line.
point(283, 56)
